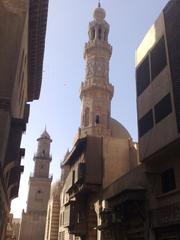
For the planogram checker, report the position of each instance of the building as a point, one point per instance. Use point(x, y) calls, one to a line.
point(22, 30)
point(34, 219)
point(158, 105)
point(103, 149)
point(16, 227)
point(52, 219)
point(144, 203)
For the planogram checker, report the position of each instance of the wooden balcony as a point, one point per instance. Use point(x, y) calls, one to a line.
point(74, 218)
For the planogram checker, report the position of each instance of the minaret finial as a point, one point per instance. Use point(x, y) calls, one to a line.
point(99, 3)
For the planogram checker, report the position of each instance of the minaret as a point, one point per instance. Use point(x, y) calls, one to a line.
point(40, 182)
point(96, 91)
point(34, 219)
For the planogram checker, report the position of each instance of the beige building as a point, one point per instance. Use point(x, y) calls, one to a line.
point(52, 219)
point(22, 31)
point(158, 105)
point(34, 219)
point(16, 227)
point(103, 150)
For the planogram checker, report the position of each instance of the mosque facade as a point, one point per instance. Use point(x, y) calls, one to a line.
point(103, 150)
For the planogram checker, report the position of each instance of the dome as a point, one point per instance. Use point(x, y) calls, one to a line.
point(99, 14)
point(45, 134)
point(118, 130)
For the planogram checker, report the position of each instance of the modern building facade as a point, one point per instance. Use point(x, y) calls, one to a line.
point(22, 30)
point(34, 219)
point(158, 106)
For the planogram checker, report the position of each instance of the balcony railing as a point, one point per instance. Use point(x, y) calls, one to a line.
point(33, 175)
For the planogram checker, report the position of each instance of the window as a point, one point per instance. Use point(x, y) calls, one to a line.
point(168, 180)
point(145, 123)
point(86, 117)
point(142, 76)
point(163, 108)
point(97, 119)
point(99, 33)
point(92, 33)
point(73, 176)
point(39, 195)
point(158, 58)
point(105, 35)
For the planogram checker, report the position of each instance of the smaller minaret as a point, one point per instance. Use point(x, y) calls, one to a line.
point(42, 158)
point(40, 182)
point(34, 219)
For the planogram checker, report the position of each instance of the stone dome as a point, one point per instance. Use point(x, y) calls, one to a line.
point(118, 130)
point(99, 14)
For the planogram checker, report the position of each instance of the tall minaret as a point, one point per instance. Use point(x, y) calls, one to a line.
point(34, 219)
point(96, 91)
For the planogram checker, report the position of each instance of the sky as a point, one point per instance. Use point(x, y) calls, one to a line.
point(59, 105)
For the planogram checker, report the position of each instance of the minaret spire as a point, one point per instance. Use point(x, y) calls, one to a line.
point(99, 3)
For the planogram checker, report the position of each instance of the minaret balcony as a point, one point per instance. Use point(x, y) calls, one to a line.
point(42, 157)
point(33, 176)
point(86, 86)
point(97, 44)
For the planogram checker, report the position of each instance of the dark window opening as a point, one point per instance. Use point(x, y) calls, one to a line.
point(145, 123)
point(168, 180)
point(39, 191)
point(142, 76)
point(105, 36)
point(163, 108)
point(99, 33)
point(73, 176)
point(97, 119)
point(93, 34)
point(158, 58)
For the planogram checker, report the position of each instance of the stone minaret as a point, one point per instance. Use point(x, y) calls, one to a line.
point(34, 219)
point(96, 91)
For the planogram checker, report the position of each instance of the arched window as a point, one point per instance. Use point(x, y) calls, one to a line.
point(105, 35)
point(92, 34)
point(86, 117)
point(97, 119)
point(99, 33)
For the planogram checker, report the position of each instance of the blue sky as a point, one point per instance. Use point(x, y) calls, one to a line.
point(64, 69)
